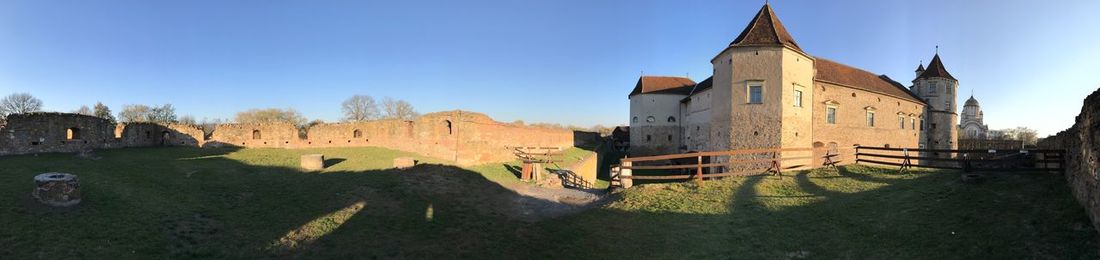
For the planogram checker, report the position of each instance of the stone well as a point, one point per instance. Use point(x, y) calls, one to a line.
point(57, 189)
point(313, 162)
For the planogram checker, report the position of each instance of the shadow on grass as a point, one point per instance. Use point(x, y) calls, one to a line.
point(217, 203)
point(333, 161)
point(206, 203)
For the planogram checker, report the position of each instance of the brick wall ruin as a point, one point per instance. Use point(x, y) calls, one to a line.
point(465, 138)
point(1082, 145)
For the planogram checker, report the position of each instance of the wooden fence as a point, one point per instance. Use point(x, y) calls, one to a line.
point(966, 160)
point(746, 162)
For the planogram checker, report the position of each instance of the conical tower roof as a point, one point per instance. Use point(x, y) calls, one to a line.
point(936, 69)
point(765, 30)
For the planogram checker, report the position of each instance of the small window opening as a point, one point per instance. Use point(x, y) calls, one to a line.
point(671, 119)
point(72, 134)
point(356, 133)
point(256, 135)
point(450, 130)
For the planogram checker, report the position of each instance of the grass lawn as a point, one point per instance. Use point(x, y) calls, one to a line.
point(254, 203)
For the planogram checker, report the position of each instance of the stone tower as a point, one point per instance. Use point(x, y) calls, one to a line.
point(939, 89)
point(763, 87)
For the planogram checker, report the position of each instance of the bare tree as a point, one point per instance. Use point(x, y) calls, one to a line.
point(1027, 135)
point(398, 109)
point(134, 113)
point(102, 111)
point(188, 120)
point(162, 114)
point(271, 115)
point(359, 108)
point(19, 103)
point(84, 110)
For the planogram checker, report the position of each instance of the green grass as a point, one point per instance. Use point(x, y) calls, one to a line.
point(254, 203)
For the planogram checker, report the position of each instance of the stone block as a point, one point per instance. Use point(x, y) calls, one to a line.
point(313, 162)
point(404, 162)
point(57, 189)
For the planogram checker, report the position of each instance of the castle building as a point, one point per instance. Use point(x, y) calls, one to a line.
point(766, 92)
point(972, 126)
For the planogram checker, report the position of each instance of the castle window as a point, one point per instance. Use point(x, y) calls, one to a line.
point(356, 133)
point(671, 119)
point(870, 118)
point(912, 123)
point(798, 98)
point(648, 138)
point(650, 119)
point(72, 134)
point(255, 134)
point(670, 138)
point(449, 129)
point(830, 115)
point(756, 93)
point(922, 124)
point(901, 122)
point(948, 90)
point(635, 120)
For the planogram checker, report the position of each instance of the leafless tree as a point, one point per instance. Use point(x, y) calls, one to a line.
point(398, 109)
point(134, 113)
point(19, 103)
point(84, 110)
point(162, 114)
point(188, 120)
point(359, 108)
point(271, 115)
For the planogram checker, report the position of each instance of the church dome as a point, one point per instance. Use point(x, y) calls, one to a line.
point(971, 102)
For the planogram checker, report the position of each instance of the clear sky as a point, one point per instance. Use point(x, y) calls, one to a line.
point(1029, 63)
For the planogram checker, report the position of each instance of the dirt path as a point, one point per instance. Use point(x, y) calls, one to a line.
point(538, 203)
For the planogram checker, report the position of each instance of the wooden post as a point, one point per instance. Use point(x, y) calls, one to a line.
point(857, 155)
point(626, 174)
point(699, 168)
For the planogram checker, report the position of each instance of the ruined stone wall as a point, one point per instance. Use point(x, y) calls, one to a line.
point(465, 138)
point(1082, 145)
point(54, 132)
point(278, 135)
point(152, 134)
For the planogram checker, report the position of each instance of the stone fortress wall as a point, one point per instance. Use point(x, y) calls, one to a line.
point(1082, 144)
point(465, 138)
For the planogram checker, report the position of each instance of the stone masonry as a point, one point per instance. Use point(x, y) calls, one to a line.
point(1082, 145)
point(465, 138)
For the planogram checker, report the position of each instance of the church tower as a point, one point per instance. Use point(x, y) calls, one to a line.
point(939, 90)
point(972, 125)
point(763, 84)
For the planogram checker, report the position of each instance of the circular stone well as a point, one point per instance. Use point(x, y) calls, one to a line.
point(57, 189)
point(313, 162)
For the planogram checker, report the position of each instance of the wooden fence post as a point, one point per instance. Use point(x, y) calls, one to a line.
point(699, 168)
point(856, 160)
point(626, 175)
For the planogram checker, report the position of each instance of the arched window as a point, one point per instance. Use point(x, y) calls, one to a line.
point(356, 133)
point(72, 134)
point(650, 119)
point(672, 119)
point(450, 130)
point(635, 120)
point(255, 134)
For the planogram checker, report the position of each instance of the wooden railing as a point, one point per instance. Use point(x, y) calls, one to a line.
point(966, 160)
point(745, 162)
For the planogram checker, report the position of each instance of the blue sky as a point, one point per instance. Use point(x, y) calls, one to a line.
point(1029, 63)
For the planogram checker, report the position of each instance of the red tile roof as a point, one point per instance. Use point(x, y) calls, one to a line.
point(764, 30)
point(832, 72)
point(663, 85)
